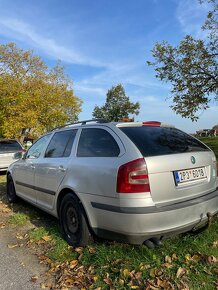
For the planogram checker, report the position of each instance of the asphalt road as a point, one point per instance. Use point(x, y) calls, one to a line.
point(17, 265)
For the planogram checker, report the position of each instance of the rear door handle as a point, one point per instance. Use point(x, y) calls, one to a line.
point(61, 168)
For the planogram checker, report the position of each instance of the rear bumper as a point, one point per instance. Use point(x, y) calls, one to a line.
point(137, 224)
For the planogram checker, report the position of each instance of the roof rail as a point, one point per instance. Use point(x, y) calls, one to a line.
point(82, 123)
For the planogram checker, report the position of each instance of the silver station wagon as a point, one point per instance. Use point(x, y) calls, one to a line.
point(135, 182)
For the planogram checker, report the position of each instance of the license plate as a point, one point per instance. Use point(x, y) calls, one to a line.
point(190, 174)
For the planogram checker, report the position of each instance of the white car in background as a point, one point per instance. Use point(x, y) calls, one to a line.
point(8, 147)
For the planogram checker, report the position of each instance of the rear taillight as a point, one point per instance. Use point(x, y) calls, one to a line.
point(21, 150)
point(132, 177)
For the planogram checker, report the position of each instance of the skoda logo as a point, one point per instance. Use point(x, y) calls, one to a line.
point(193, 160)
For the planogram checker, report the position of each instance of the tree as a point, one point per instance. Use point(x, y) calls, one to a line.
point(215, 127)
point(117, 105)
point(31, 95)
point(191, 67)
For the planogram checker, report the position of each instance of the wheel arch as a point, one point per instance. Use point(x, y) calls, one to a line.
point(62, 194)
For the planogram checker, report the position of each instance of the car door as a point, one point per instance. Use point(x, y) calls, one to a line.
point(52, 168)
point(96, 162)
point(24, 170)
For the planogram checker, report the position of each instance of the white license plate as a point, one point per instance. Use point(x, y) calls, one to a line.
point(190, 174)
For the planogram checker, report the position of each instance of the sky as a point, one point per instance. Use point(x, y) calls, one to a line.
point(102, 43)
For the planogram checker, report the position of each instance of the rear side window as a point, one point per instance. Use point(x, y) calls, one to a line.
point(97, 143)
point(154, 141)
point(61, 144)
point(9, 146)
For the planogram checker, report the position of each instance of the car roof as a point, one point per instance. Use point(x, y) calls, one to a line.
point(117, 124)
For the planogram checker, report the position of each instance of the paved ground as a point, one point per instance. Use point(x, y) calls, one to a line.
point(17, 265)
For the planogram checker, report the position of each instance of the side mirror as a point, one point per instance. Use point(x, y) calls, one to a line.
point(19, 155)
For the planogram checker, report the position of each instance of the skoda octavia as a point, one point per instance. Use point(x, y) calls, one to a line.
point(133, 182)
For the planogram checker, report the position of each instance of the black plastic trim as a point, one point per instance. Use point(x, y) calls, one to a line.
point(155, 209)
point(36, 188)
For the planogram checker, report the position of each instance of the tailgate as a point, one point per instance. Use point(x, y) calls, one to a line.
point(177, 177)
point(6, 159)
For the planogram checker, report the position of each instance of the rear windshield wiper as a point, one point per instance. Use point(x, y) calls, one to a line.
point(194, 148)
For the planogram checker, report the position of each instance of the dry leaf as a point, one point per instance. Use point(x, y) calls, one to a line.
point(215, 244)
point(211, 259)
point(34, 278)
point(73, 264)
point(167, 265)
point(19, 236)
point(78, 249)
point(6, 210)
point(46, 238)
point(180, 272)
point(115, 270)
point(11, 246)
point(168, 259)
point(2, 225)
point(126, 272)
point(92, 250)
point(107, 280)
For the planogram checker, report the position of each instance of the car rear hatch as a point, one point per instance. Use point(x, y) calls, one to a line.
point(179, 166)
point(7, 150)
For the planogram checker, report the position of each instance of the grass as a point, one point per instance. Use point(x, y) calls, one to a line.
point(212, 142)
point(182, 262)
point(19, 219)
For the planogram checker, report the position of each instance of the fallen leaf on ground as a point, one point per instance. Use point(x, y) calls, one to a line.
point(2, 225)
point(34, 278)
point(180, 272)
point(91, 250)
point(215, 244)
point(73, 264)
point(212, 259)
point(168, 259)
point(11, 246)
point(46, 238)
point(19, 236)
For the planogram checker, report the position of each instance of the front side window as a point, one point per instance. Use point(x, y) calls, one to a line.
point(97, 143)
point(61, 144)
point(37, 148)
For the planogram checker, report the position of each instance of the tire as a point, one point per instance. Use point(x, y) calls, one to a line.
point(73, 222)
point(11, 192)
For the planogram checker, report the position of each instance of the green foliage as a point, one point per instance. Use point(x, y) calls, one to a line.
point(37, 234)
point(191, 68)
point(31, 95)
point(117, 105)
point(215, 127)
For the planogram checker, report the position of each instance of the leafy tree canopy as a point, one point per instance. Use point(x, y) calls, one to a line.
point(117, 106)
point(31, 95)
point(215, 127)
point(191, 67)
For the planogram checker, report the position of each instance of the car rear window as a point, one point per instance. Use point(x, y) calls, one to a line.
point(9, 146)
point(154, 141)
